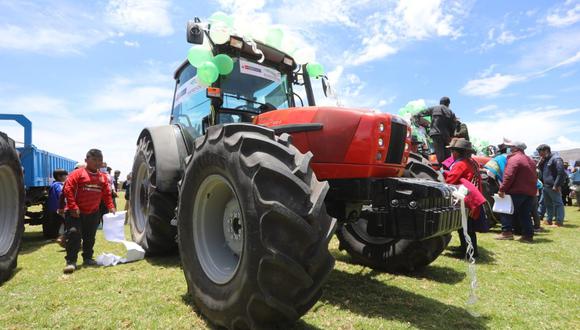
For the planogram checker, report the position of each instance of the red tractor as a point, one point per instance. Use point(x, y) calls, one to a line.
point(251, 186)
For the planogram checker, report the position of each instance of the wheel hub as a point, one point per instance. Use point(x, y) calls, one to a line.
point(218, 229)
point(233, 229)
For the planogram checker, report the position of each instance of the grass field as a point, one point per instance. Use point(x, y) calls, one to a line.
point(521, 286)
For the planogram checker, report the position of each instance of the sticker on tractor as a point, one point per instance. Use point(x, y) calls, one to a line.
point(257, 70)
point(185, 91)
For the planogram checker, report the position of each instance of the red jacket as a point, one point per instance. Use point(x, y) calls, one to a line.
point(463, 170)
point(84, 190)
point(519, 176)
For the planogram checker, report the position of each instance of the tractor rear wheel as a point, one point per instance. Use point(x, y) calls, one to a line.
point(392, 254)
point(253, 228)
point(11, 209)
point(151, 209)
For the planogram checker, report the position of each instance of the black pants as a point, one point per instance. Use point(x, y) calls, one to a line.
point(83, 228)
point(439, 144)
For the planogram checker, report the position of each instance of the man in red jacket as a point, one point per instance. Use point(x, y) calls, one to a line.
point(519, 181)
point(84, 190)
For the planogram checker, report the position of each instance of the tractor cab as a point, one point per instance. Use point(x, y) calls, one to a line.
point(254, 86)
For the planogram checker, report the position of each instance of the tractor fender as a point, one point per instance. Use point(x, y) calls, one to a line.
point(170, 151)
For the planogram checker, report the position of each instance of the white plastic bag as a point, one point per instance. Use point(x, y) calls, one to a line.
point(114, 231)
point(503, 205)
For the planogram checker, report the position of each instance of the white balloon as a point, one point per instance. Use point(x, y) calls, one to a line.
point(219, 33)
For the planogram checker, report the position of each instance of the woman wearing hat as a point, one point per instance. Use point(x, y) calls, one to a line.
point(464, 167)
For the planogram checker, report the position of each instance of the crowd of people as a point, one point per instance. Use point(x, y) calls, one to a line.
point(539, 187)
point(77, 201)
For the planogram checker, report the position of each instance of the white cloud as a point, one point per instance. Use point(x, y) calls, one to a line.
point(35, 104)
point(550, 50)
point(565, 15)
point(131, 43)
point(420, 19)
point(541, 125)
point(490, 86)
point(486, 108)
point(140, 16)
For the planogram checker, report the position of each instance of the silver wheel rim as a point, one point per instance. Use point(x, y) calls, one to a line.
point(142, 186)
point(360, 228)
point(218, 229)
point(8, 208)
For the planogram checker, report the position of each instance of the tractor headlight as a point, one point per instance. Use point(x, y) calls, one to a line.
point(381, 142)
point(381, 127)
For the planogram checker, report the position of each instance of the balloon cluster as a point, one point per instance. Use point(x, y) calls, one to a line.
point(209, 67)
point(221, 28)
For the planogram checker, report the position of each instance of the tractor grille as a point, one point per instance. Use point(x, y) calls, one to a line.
point(396, 143)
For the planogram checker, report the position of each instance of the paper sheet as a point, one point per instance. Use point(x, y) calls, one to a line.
point(503, 205)
point(114, 231)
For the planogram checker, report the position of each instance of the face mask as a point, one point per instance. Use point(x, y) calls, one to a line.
point(103, 170)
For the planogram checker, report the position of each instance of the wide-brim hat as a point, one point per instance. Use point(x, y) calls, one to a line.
point(517, 144)
point(461, 144)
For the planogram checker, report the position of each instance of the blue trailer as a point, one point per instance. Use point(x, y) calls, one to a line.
point(38, 166)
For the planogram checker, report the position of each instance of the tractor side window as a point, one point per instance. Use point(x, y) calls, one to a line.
point(190, 102)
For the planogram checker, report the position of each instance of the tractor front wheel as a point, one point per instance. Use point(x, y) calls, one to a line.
point(253, 230)
point(388, 254)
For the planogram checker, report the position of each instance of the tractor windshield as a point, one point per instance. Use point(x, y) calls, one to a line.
point(255, 87)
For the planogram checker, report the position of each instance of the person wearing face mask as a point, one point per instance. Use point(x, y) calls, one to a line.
point(84, 190)
point(519, 182)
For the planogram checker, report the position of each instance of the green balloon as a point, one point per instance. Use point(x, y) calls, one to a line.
point(207, 73)
point(224, 64)
point(222, 17)
point(315, 69)
point(274, 37)
point(198, 55)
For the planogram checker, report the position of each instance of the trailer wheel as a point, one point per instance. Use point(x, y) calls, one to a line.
point(253, 229)
point(151, 209)
point(11, 209)
point(388, 254)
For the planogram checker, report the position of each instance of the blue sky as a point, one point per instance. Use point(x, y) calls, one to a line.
point(94, 73)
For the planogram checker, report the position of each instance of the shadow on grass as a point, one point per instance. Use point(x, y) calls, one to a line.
point(32, 241)
point(438, 274)
point(169, 261)
point(368, 297)
point(485, 256)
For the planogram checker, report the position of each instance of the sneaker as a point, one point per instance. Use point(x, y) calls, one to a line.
point(69, 268)
point(556, 225)
point(505, 235)
point(539, 230)
point(526, 239)
point(89, 262)
point(546, 223)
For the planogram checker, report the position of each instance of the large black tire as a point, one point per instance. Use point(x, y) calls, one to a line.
point(391, 254)
point(275, 234)
point(388, 254)
point(151, 209)
point(11, 208)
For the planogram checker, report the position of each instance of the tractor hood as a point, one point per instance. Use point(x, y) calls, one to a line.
point(346, 143)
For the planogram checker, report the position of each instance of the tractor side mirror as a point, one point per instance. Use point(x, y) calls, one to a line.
point(194, 33)
point(326, 88)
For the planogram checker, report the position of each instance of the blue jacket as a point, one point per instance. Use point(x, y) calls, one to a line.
point(552, 171)
point(575, 177)
point(54, 196)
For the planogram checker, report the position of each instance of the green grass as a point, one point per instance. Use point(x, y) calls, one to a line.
point(521, 286)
